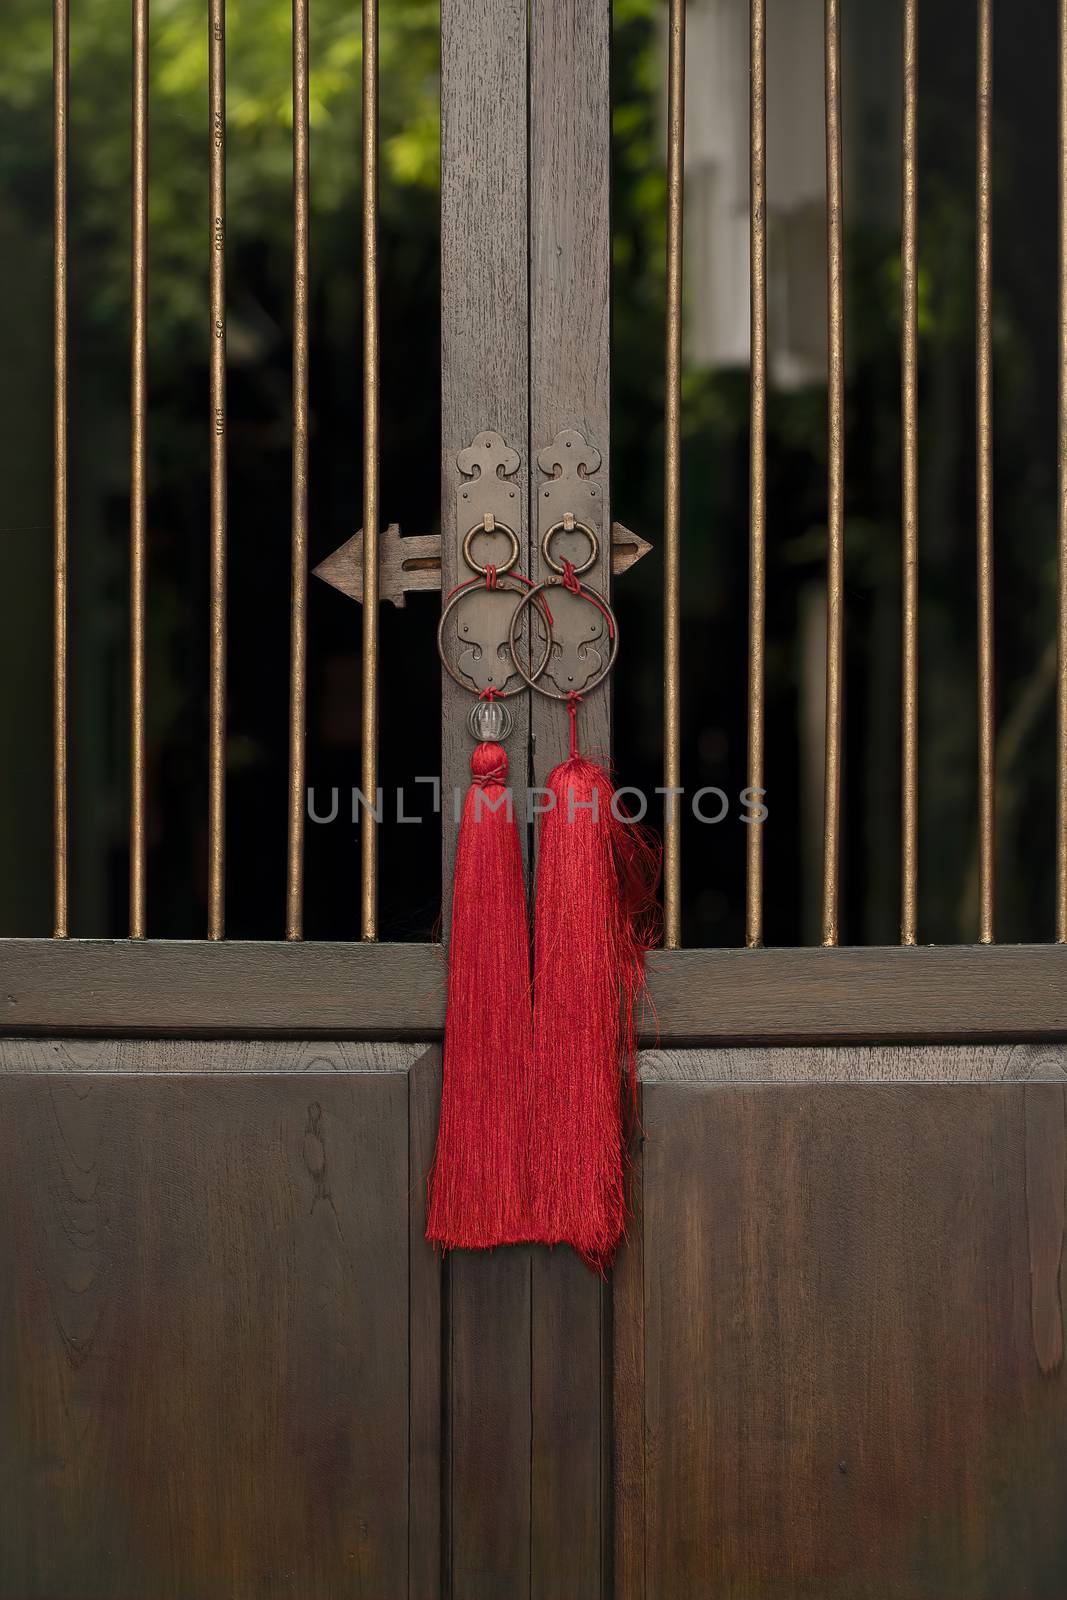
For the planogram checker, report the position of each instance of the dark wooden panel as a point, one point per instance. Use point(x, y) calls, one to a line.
point(485, 385)
point(425, 1549)
point(204, 1345)
point(488, 1444)
point(980, 992)
point(570, 265)
point(359, 991)
point(853, 1342)
point(570, 1411)
point(484, 308)
point(628, 1411)
point(570, 289)
point(155, 987)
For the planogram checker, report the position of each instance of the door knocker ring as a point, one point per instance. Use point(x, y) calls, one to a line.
point(534, 596)
point(482, 718)
point(489, 526)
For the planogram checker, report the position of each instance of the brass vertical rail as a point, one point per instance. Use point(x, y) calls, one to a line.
point(835, 561)
point(984, 432)
point(60, 108)
point(294, 917)
point(1061, 673)
point(138, 493)
point(909, 403)
point(371, 497)
point(217, 663)
point(757, 520)
point(672, 487)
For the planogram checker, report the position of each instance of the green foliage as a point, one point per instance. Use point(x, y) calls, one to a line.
point(259, 119)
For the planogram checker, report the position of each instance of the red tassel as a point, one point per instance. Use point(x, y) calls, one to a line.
point(478, 1182)
point(595, 918)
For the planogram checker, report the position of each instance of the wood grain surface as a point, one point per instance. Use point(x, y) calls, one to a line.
point(485, 386)
point(852, 1315)
point(570, 264)
point(893, 992)
point(425, 1395)
point(230, 1365)
point(484, 310)
point(859, 1064)
point(229, 989)
point(208, 1283)
point(570, 292)
point(360, 991)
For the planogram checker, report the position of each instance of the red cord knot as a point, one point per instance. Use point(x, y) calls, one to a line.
point(570, 577)
point(490, 576)
point(491, 693)
point(574, 700)
point(489, 764)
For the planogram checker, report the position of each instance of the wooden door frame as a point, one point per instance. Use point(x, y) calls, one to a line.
point(176, 989)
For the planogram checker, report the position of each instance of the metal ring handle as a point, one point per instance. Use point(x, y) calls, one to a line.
point(528, 598)
point(513, 587)
point(575, 527)
point(498, 527)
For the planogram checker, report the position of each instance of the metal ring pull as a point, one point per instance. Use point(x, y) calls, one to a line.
point(513, 586)
point(491, 525)
point(570, 524)
point(531, 597)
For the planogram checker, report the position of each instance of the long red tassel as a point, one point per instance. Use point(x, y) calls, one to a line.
point(478, 1182)
point(595, 919)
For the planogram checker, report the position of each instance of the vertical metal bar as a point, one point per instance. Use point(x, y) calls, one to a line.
point(984, 410)
point(757, 520)
point(60, 106)
point(371, 497)
point(138, 435)
point(909, 362)
point(672, 486)
point(217, 664)
point(1061, 675)
point(835, 562)
point(294, 917)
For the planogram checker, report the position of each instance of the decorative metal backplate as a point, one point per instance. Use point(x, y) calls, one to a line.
point(582, 646)
point(474, 640)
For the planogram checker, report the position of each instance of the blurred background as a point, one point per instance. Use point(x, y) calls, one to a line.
point(715, 464)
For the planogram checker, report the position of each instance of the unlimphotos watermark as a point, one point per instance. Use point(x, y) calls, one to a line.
point(709, 805)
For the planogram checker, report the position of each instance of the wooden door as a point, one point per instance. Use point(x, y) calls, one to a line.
point(219, 1358)
point(829, 1360)
point(841, 1319)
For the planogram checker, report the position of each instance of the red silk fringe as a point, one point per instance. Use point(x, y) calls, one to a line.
point(596, 916)
point(478, 1189)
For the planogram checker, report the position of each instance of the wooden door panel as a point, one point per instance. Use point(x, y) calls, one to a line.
point(207, 1278)
point(528, 1394)
point(852, 1341)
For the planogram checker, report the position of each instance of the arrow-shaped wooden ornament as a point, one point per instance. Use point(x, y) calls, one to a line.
point(415, 563)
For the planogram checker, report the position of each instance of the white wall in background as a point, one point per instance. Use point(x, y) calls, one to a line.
point(717, 172)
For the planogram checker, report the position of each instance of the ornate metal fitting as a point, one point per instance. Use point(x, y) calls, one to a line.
point(570, 500)
point(490, 527)
point(570, 524)
point(583, 638)
point(579, 661)
point(482, 630)
point(475, 625)
point(570, 505)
